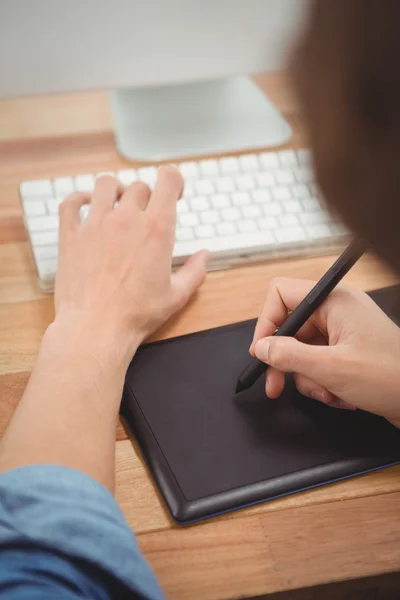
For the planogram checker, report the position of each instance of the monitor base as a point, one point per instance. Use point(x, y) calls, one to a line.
point(175, 121)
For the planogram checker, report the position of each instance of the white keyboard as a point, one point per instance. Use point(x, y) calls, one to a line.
point(243, 209)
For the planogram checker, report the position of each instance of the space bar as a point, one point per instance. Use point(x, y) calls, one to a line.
point(228, 244)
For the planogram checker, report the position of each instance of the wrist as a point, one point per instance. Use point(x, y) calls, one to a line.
point(92, 340)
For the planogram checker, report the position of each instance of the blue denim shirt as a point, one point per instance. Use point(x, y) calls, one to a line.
point(63, 536)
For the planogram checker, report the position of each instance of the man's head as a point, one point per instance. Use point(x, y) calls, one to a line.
point(347, 74)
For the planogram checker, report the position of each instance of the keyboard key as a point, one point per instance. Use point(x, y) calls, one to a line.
point(314, 218)
point(247, 226)
point(257, 241)
point(148, 175)
point(44, 223)
point(40, 187)
point(245, 182)
point(311, 204)
point(188, 220)
point(47, 268)
point(210, 217)
point(241, 199)
point(293, 234)
point(189, 169)
point(225, 184)
point(231, 214)
point(34, 208)
point(45, 252)
point(204, 187)
point(265, 179)
point(284, 176)
point(44, 238)
point(318, 231)
point(261, 196)
point(188, 190)
point(303, 174)
point(300, 191)
point(205, 231)
point(272, 209)
point(304, 156)
point(269, 223)
point(63, 186)
point(289, 221)
point(53, 204)
point(209, 167)
point(281, 193)
point(183, 250)
point(229, 165)
point(269, 160)
point(292, 206)
point(84, 211)
point(219, 201)
point(84, 183)
point(249, 162)
point(127, 176)
point(226, 229)
point(338, 230)
point(288, 158)
point(199, 203)
point(182, 206)
point(184, 234)
point(251, 212)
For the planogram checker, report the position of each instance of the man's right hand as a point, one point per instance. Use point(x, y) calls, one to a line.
point(347, 355)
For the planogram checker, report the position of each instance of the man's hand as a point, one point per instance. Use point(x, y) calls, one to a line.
point(346, 355)
point(114, 274)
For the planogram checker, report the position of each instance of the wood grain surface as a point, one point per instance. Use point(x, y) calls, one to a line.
point(345, 530)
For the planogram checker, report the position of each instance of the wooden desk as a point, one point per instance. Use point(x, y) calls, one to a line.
point(342, 531)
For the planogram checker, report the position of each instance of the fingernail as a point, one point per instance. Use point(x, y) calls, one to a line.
point(344, 405)
point(318, 395)
point(262, 350)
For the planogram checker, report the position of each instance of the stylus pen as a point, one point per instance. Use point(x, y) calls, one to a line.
point(305, 309)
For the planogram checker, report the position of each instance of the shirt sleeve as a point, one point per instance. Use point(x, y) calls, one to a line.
point(62, 535)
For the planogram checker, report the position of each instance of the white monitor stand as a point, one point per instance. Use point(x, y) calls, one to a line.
point(175, 121)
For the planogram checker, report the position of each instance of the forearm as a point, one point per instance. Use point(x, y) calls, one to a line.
point(68, 413)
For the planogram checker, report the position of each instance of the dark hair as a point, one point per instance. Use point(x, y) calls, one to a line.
point(346, 71)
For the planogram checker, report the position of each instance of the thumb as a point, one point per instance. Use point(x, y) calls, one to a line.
point(189, 277)
point(291, 356)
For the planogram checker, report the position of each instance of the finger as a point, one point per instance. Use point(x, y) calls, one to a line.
point(106, 192)
point(188, 279)
point(308, 333)
point(135, 197)
point(69, 213)
point(283, 295)
point(274, 382)
point(319, 363)
point(167, 191)
point(311, 389)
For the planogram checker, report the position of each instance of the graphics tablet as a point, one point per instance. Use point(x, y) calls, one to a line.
point(210, 451)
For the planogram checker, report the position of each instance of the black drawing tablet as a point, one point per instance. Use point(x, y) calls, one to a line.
point(211, 452)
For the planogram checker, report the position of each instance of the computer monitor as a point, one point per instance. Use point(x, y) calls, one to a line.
point(176, 69)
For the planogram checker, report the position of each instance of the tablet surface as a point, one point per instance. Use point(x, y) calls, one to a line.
point(210, 451)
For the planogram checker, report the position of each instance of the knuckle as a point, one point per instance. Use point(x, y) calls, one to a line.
point(121, 219)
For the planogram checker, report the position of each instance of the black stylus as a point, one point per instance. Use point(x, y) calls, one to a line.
point(305, 309)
